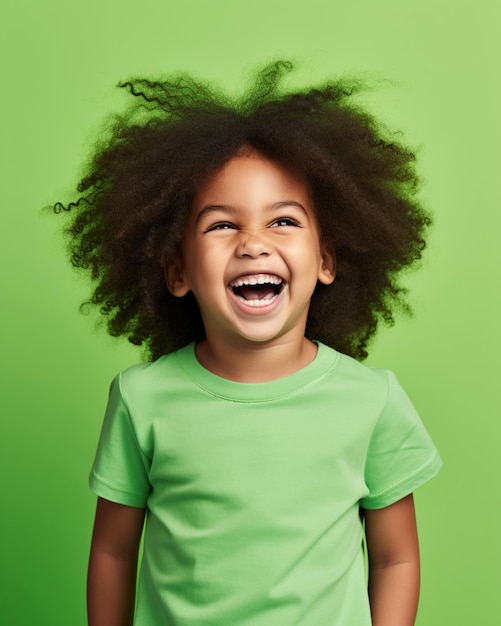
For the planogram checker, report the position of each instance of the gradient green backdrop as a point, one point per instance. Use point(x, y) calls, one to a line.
point(60, 60)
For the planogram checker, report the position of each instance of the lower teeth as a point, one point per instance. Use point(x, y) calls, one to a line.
point(258, 303)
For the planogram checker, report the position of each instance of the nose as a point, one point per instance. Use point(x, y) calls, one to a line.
point(252, 244)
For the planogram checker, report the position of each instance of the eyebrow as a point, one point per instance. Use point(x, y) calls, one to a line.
point(228, 208)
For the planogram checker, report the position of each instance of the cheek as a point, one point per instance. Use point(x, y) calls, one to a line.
point(308, 251)
point(204, 266)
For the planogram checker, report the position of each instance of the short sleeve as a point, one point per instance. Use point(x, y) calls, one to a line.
point(401, 455)
point(120, 469)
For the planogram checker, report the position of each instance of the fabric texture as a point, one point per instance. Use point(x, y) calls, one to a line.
point(253, 490)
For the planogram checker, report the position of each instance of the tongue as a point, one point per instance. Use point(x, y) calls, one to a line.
point(253, 292)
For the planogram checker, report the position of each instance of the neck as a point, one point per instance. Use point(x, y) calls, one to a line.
point(255, 363)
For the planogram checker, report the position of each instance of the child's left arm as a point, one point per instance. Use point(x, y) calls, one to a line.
point(393, 551)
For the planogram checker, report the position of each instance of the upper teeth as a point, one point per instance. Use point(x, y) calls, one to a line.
point(260, 279)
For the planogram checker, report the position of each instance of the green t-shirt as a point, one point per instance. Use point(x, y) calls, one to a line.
point(253, 490)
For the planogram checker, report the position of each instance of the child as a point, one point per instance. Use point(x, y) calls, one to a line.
point(252, 247)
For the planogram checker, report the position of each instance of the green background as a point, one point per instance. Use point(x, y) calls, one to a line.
point(60, 60)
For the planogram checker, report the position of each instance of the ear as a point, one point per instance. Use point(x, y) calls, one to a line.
point(327, 269)
point(175, 277)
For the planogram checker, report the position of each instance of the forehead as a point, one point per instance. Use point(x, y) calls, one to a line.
point(250, 179)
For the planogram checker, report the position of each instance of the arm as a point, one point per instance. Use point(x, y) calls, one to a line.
point(111, 581)
point(393, 551)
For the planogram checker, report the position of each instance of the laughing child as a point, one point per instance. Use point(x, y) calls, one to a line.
point(252, 246)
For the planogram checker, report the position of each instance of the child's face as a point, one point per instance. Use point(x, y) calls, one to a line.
point(251, 253)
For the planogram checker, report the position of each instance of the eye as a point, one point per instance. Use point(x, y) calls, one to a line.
point(220, 226)
point(284, 221)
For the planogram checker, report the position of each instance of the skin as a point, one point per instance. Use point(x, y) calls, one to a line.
point(111, 579)
point(253, 220)
point(393, 550)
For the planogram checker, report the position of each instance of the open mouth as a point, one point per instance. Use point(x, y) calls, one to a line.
point(257, 290)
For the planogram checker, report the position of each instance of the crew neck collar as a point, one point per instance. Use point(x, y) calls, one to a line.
point(325, 359)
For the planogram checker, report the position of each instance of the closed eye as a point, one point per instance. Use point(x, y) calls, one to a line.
point(284, 221)
point(219, 226)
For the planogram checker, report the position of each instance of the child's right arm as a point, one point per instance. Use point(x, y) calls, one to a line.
point(111, 582)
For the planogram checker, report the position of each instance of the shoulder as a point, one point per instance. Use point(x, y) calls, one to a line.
point(146, 380)
point(393, 402)
point(354, 389)
point(162, 371)
point(356, 375)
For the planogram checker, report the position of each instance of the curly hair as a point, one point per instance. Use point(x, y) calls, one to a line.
point(128, 218)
